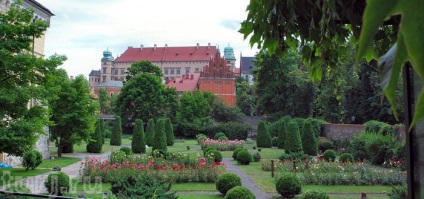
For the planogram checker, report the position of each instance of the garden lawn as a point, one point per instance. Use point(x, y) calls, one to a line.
point(82, 147)
point(17, 174)
point(60, 162)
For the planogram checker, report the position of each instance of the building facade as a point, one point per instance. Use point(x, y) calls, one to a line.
point(247, 65)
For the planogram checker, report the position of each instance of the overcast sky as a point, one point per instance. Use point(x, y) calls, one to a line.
point(83, 29)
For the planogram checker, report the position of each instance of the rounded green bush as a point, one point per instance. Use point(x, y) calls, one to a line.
point(57, 183)
point(18, 188)
point(218, 135)
point(314, 194)
point(236, 151)
point(31, 159)
point(244, 157)
point(126, 150)
point(213, 155)
point(240, 192)
point(205, 150)
point(118, 156)
point(330, 155)
point(227, 181)
point(345, 157)
point(324, 144)
point(201, 137)
point(288, 185)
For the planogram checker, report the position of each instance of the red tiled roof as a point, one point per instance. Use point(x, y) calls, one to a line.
point(187, 53)
point(189, 83)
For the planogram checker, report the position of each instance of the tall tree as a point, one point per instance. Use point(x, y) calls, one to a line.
point(138, 143)
point(116, 137)
point(144, 96)
point(246, 99)
point(159, 142)
point(263, 138)
point(141, 67)
point(293, 142)
point(95, 144)
point(309, 141)
point(103, 100)
point(150, 132)
point(194, 111)
point(22, 80)
point(169, 129)
point(73, 110)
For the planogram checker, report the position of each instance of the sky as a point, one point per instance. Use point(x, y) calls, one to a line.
point(83, 29)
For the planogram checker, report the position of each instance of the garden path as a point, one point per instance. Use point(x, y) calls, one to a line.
point(245, 179)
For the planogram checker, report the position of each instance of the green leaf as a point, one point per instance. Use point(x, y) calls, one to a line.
point(419, 113)
point(374, 15)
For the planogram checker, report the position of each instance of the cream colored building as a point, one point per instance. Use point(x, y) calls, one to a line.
point(44, 14)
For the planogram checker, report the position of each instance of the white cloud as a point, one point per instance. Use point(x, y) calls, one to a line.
point(82, 29)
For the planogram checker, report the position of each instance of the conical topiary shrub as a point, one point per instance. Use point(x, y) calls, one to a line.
point(282, 129)
point(96, 142)
point(138, 144)
point(115, 139)
point(102, 130)
point(309, 142)
point(263, 138)
point(293, 143)
point(160, 137)
point(150, 132)
point(169, 129)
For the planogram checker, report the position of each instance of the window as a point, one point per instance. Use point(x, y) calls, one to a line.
point(104, 70)
point(172, 71)
point(178, 71)
point(116, 71)
point(196, 70)
point(187, 70)
point(122, 71)
point(104, 78)
point(217, 87)
point(166, 71)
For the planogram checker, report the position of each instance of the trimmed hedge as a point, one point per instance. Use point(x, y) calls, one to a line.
point(282, 129)
point(330, 155)
point(160, 137)
point(169, 131)
point(213, 155)
point(227, 181)
point(239, 192)
point(288, 185)
point(324, 144)
point(314, 194)
point(138, 143)
point(236, 151)
point(126, 150)
point(115, 139)
point(244, 157)
point(95, 145)
point(150, 132)
point(32, 159)
point(263, 138)
point(57, 183)
point(309, 142)
point(346, 157)
point(293, 143)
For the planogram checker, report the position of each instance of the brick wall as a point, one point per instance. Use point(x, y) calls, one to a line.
point(343, 132)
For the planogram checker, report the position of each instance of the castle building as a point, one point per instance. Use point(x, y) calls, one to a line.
point(247, 65)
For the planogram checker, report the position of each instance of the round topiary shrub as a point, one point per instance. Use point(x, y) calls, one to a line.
point(346, 157)
point(227, 181)
point(31, 159)
point(201, 137)
point(118, 157)
point(205, 150)
point(218, 135)
point(236, 151)
point(18, 188)
point(213, 155)
point(57, 183)
point(244, 157)
point(288, 185)
point(239, 192)
point(324, 144)
point(126, 150)
point(314, 194)
point(329, 155)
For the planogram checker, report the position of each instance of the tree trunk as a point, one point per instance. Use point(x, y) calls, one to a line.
point(59, 147)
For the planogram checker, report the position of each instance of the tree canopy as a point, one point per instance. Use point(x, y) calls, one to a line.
point(320, 30)
point(142, 67)
point(22, 80)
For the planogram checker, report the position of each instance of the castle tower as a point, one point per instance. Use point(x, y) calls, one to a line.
point(229, 57)
point(107, 62)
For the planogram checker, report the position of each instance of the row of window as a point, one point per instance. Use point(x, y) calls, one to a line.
point(177, 70)
point(115, 71)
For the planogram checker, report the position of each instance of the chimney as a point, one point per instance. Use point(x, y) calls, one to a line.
point(155, 47)
point(197, 47)
point(209, 45)
point(141, 47)
point(191, 76)
point(166, 46)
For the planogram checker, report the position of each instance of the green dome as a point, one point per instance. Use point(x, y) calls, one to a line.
point(229, 53)
point(107, 55)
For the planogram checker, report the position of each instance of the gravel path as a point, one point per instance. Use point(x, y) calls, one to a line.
point(245, 179)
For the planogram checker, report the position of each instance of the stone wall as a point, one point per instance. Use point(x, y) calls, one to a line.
point(342, 132)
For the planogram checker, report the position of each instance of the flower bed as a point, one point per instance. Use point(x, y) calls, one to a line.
point(179, 168)
point(222, 145)
point(335, 173)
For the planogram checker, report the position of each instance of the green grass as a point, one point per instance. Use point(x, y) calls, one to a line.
point(193, 187)
point(60, 162)
point(17, 174)
point(81, 147)
point(196, 196)
point(344, 189)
